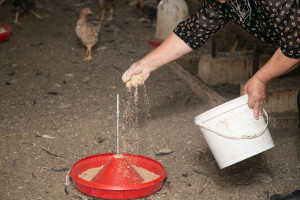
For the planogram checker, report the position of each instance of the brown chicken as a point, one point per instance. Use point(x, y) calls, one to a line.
point(87, 32)
point(106, 4)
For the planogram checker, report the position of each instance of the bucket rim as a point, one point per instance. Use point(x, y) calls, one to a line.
point(223, 108)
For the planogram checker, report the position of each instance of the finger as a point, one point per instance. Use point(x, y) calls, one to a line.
point(128, 75)
point(251, 103)
point(256, 110)
point(128, 84)
point(260, 109)
point(130, 72)
point(124, 76)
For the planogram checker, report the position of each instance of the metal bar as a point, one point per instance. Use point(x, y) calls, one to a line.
point(117, 124)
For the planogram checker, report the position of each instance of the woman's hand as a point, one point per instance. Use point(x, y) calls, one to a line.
point(278, 65)
point(136, 75)
point(171, 49)
point(256, 90)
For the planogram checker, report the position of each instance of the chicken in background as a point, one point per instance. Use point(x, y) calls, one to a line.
point(195, 1)
point(146, 11)
point(87, 32)
point(22, 6)
point(106, 4)
point(2, 30)
point(2, 1)
point(131, 2)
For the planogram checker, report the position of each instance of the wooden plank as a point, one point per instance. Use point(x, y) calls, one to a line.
point(197, 86)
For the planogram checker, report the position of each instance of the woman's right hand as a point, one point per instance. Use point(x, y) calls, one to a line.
point(135, 76)
point(171, 49)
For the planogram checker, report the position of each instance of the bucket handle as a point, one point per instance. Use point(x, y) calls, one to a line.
point(243, 136)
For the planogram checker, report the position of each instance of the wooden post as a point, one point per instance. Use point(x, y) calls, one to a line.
point(213, 46)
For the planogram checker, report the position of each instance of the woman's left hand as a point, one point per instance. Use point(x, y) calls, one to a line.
point(256, 90)
point(256, 87)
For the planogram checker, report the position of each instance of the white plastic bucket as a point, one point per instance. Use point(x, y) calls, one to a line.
point(232, 133)
point(169, 14)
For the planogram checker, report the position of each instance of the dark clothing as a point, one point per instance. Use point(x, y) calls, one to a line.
point(292, 196)
point(276, 22)
point(298, 102)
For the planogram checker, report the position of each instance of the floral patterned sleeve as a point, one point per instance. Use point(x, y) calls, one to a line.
point(287, 23)
point(198, 28)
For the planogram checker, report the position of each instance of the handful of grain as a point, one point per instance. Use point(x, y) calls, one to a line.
point(135, 80)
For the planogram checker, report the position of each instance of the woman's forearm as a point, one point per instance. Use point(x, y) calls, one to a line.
point(171, 49)
point(278, 65)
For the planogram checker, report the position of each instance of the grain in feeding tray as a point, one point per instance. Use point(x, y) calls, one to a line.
point(146, 175)
point(117, 176)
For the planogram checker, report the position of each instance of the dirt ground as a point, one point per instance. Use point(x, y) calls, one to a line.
point(57, 109)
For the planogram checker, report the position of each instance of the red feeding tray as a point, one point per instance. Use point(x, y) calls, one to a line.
point(110, 182)
point(154, 43)
point(4, 36)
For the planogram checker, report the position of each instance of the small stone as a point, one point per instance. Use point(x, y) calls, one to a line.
point(64, 106)
point(264, 178)
point(86, 80)
point(38, 73)
point(188, 184)
point(163, 152)
point(52, 93)
point(11, 74)
point(69, 75)
point(47, 136)
point(102, 48)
